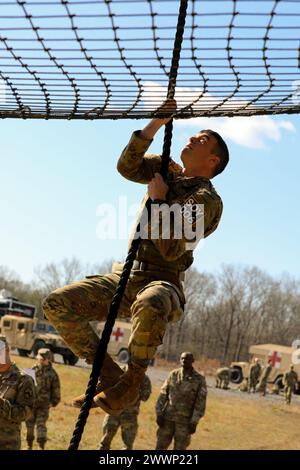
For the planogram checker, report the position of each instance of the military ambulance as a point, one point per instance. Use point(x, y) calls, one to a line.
point(118, 344)
point(281, 358)
point(28, 335)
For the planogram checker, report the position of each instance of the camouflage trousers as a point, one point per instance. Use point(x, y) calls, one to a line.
point(129, 426)
point(262, 386)
point(39, 418)
point(288, 391)
point(10, 439)
point(172, 430)
point(252, 384)
point(151, 302)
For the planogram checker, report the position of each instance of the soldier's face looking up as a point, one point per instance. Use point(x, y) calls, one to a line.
point(198, 155)
point(186, 360)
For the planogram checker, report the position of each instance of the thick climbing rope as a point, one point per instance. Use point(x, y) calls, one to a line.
point(117, 298)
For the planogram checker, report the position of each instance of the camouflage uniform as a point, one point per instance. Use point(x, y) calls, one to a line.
point(181, 403)
point(154, 294)
point(223, 377)
point(263, 382)
point(127, 420)
point(254, 373)
point(17, 395)
point(290, 381)
point(48, 394)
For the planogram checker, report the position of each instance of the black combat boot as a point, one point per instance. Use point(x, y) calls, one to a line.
point(29, 444)
point(41, 444)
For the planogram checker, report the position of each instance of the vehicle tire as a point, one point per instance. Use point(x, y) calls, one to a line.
point(279, 382)
point(23, 352)
point(70, 359)
point(123, 356)
point(39, 344)
point(236, 375)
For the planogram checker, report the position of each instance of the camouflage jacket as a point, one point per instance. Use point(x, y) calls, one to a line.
point(145, 392)
point(182, 397)
point(266, 372)
point(169, 253)
point(290, 378)
point(254, 371)
point(48, 386)
point(17, 395)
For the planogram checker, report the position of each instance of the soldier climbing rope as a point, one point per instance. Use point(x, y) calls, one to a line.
point(116, 300)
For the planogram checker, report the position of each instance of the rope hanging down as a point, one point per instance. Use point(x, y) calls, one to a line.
point(117, 298)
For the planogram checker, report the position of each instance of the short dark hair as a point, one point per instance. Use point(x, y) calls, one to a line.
point(221, 151)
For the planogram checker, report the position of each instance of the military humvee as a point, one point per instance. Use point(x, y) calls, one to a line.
point(118, 344)
point(281, 356)
point(28, 335)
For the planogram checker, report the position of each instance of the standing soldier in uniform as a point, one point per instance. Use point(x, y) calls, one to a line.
point(254, 373)
point(154, 293)
point(17, 395)
point(48, 394)
point(222, 378)
point(180, 405)
point(263, 382)
point(127, 420)
point(290, 382)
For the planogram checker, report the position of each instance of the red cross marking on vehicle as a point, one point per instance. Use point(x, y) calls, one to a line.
point(118, 333)
point(275, 358)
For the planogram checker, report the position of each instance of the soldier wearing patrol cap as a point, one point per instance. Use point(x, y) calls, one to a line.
point(254, 374)
point(180, 405)
point(290, 382)
point(48, 394)
point(17, 395)
point(154, 293)
point(263, 381)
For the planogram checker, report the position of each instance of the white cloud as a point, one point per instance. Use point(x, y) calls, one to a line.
point(253, 132)
point(155, 94)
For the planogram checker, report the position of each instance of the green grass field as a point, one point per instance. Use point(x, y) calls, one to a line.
point(232, 421)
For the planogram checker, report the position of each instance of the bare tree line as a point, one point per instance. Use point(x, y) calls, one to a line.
point(47, 278)
point(225, 312)
point(229, 311)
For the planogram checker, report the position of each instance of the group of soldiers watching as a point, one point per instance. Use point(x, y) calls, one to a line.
point(27, 397)
point(180, 405)
point(257, 381)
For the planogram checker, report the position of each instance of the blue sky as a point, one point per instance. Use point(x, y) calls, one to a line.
point(54, 175)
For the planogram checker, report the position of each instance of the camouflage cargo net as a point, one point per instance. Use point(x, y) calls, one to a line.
point(110, 59)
